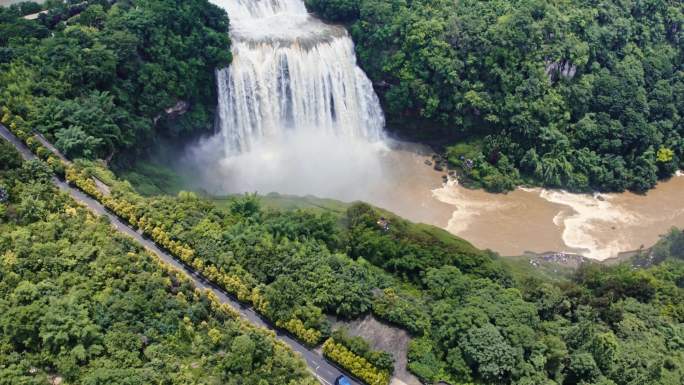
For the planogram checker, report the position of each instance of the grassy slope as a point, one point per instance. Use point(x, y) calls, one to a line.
point(153, 178)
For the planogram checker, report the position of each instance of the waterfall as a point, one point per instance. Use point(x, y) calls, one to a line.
point(291, 73)
point(241, 10)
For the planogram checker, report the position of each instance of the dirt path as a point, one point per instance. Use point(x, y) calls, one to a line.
point(384, 337)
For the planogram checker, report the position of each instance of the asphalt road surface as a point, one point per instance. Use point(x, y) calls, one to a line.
point(324, 371)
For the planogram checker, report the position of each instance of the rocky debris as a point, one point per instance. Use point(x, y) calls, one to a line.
point(35, 16)
point(180, 108)
point(563, 259)
point(384, 224)
point(428, 162)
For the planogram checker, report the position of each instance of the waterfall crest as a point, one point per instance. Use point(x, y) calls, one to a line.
point(291, 73)
point(240, 10)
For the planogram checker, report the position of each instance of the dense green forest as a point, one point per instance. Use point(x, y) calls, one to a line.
point(82, 304)
point(472, 318)
point(578, 94)
point(585, 94)
point(97, 78)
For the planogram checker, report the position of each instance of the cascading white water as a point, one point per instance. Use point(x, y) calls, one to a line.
point(296, 114)
point(291, 73)
point(254, 9)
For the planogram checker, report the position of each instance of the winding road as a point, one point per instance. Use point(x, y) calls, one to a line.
point(323, 370)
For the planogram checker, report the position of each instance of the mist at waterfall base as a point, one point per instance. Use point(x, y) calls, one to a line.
point(300, 162)
point(296, 115)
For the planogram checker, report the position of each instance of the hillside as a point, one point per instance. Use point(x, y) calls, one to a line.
point(471, 317)
point(584, 95)
point(577, 94)
point(102, 80)
point(83, 305)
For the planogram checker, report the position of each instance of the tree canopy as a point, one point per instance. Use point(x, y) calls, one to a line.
point(84, 305)
point(471, 317)
point(580, 94)
point(98, 78)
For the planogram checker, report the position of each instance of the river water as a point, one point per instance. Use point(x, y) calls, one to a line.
point(598, 226)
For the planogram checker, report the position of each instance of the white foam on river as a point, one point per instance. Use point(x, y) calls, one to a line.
point(586, 212)
point(598, 226)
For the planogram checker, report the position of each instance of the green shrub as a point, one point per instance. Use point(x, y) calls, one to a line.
point(356, 365)
point(357, 345)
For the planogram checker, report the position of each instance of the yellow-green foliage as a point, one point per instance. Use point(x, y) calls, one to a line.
point(79, 176)
point(83, 182)
point(260, 302)
point(5, 115)
point(665, 155)
point(219, 307)
point(235, 285)
point(356, 365)
point(17, 125)
point(295, 326)
point(206, 329)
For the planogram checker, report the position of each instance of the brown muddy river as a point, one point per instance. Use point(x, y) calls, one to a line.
point(536, 220)
point(396, 178)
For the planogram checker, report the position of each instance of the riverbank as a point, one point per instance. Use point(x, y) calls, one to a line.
point(599, 226)
point(525, 220)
